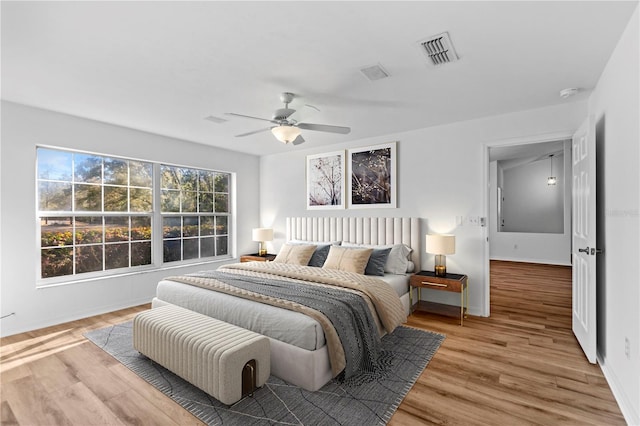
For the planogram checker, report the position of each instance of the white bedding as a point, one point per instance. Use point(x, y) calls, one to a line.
point(400, 283)
point(287, 326)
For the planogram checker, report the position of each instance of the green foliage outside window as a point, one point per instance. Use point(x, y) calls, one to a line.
point(195, 207)
point(106, 192)
point(96, 212)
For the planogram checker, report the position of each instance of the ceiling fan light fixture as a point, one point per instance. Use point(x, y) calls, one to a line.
point(285, 134)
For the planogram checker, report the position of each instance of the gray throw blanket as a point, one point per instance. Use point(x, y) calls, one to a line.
point(347, 311)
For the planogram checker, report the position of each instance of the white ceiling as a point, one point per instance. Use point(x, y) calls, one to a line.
point(528, 150)
point(517, 155)
point(163, 67)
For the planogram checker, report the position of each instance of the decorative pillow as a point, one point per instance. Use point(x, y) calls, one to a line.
point(347, 259)
point(295, 254)
point(322, 250)
point(377, 260)
point(319, 256)
point(398, 260)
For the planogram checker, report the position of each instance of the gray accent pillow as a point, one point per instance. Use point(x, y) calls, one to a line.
point(377, 260)
point(398, 261)
point(319, 256)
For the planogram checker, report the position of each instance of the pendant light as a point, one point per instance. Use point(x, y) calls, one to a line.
point(551, 180)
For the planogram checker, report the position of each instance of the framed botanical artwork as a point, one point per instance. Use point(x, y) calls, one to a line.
point(372, 176)
point(325, 181)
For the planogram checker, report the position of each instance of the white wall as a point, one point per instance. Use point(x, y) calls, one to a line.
point(530, 204)
point(22, 129)
point(615, 106)
point(553, 249)
point(440, 176)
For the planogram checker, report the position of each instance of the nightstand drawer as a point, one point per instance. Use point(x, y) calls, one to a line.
point(436, 283)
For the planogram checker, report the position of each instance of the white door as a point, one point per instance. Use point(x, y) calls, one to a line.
point(584, 238)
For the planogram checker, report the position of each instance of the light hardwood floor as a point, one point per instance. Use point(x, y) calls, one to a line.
point(520, 366)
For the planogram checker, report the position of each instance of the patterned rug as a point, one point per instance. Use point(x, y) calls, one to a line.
point(368, 399)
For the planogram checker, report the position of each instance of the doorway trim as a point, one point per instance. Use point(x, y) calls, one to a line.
point(523, 140)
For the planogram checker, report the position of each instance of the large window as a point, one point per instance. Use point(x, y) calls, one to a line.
point(97, 214)
point(195, 213)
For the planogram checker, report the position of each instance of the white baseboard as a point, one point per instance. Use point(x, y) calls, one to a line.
point(626, 406)
point(8, 330)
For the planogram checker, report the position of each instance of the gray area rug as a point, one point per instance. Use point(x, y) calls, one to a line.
point(368, 399)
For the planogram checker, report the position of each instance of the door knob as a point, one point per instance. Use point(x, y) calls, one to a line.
point(584, 250)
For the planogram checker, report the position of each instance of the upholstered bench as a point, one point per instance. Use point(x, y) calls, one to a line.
point(226, 361)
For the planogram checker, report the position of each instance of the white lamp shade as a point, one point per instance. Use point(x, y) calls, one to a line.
point(441, 244)
point(262, 234)
point(285, 134)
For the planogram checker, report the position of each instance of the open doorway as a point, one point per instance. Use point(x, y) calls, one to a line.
point(530, 202)
point(528, 213)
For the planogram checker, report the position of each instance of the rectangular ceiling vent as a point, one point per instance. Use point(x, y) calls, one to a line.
point(439, 49)
point(374, 72)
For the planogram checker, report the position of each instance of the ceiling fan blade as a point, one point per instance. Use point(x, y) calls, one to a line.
point(298, 140)
point(324, 128)
point(249, 116)
point(253, 133)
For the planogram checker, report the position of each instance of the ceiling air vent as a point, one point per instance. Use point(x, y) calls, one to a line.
point(374, 72)
point(439, 49)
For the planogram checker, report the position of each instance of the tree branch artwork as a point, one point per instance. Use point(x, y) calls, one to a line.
point(325, 180)
point(372, 176)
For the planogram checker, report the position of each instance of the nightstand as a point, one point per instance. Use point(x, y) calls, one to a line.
point(256, 258)
point(450, 282)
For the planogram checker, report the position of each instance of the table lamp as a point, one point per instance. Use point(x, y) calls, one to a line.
point(261, 235)
point(440, 245)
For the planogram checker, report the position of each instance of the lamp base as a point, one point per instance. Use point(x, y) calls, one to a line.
point(440, 271)
point(262, 251)
point(440, 266)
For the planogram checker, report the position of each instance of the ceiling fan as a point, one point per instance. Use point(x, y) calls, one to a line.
point(287, 128)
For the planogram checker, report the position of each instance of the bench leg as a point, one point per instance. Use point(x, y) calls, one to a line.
point(249, 378)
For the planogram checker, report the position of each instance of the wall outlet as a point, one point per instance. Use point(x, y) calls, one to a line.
point(627, 348)
point(473, 220)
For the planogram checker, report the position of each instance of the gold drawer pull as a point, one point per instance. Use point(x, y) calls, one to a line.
point(434, 284)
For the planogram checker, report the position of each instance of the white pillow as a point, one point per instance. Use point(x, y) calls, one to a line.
point(398, 260)
point(411, 266)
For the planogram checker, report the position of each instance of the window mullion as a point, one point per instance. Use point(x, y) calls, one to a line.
point(156, 221)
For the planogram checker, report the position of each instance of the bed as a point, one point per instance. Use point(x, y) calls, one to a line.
point(303, 350)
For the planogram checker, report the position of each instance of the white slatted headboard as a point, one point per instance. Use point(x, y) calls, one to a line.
point(360, 230)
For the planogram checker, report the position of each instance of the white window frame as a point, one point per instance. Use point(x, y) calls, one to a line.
point(181, 214)
point(156, 227)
